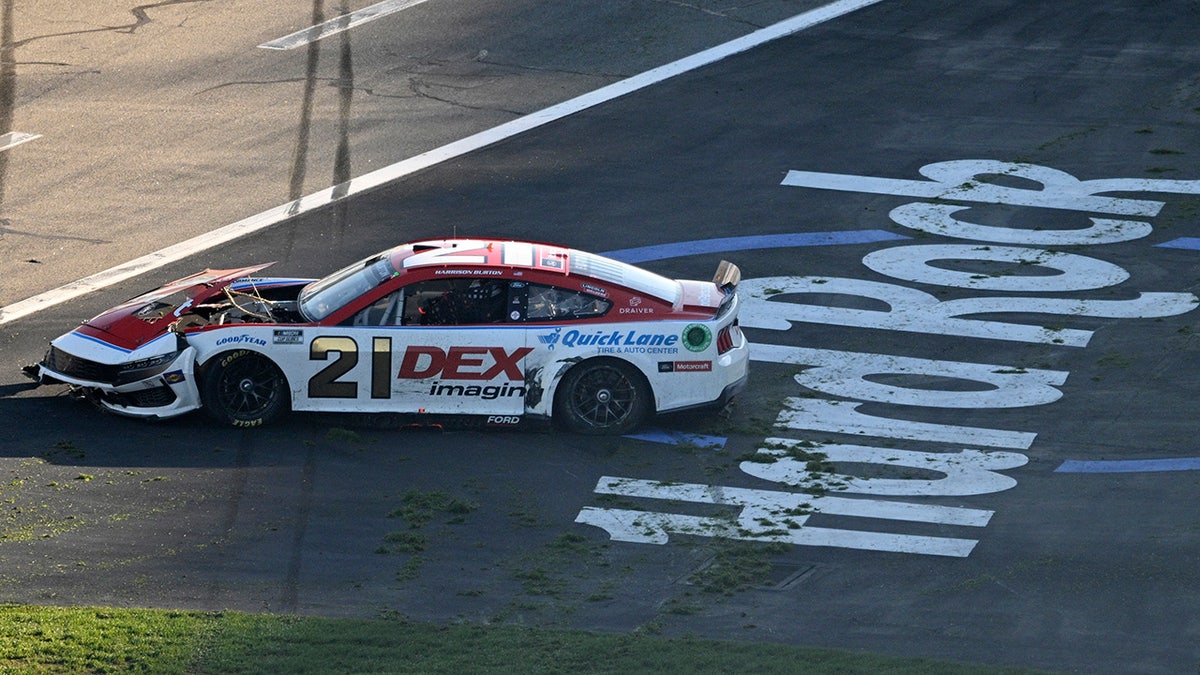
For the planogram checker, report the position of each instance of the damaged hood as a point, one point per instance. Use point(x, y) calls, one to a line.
point(137, 321)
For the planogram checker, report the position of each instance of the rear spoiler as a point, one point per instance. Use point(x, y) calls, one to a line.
point(728, 276)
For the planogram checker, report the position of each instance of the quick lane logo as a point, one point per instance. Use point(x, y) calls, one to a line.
point(573, 338)
point(550, 339)
point(462, 363)
point(612, 342)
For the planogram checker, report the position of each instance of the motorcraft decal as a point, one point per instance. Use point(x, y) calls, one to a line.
point(685, 366)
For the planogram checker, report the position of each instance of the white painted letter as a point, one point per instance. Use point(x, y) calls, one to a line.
point(841, 373)
point(958, 180)
point(766, 515)
point(842, 417)
point(1077, 272)
point(968, 472)
point(920, 312)
point(939, 219)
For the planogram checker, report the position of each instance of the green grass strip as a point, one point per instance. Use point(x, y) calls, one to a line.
point(35, 639)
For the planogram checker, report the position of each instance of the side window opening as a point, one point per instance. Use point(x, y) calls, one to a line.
point(386, 311)
point(550, 303)
point(455, 302)
point(468, 301)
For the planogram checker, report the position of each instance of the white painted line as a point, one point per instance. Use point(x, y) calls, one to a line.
point(342, 23)
point(425, 160)
point(14, 138)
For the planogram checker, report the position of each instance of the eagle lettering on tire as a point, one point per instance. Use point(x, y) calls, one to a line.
point(244, 389)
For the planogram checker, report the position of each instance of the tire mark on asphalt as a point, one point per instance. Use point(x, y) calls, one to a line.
point(241, 462)
point(291, 580)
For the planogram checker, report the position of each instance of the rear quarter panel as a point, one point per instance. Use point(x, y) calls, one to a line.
point(680, 372)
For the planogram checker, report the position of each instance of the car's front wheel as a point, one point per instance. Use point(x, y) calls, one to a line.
point(244, 389)
point(602, 396)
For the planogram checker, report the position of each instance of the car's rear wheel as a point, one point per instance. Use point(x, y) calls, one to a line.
point(244, 389)
point(602, 396)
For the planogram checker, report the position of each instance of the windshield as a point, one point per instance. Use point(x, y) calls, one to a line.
point(325, 296)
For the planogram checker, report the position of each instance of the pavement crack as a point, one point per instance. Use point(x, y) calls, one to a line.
point(141, 16)
point(711, 12)
point(419, 89)
point(142, 13)
point(538, 69)
point(424, 77)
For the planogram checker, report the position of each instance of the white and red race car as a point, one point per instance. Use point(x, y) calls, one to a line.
point(500, 330)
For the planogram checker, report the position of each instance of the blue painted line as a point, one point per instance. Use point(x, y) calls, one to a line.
point(1130, 465)
point(1191, 243)
point(679, 438)
point(723, 244)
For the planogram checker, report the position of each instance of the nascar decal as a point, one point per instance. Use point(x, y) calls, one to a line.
point(289, 336)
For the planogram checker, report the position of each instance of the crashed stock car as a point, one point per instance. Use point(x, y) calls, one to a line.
point(503, 331)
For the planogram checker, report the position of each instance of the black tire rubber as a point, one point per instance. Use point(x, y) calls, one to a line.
point(602, 397)
point(244, 389)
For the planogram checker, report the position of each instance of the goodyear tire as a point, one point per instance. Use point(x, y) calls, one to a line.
point(602, 396)
point(244, 389)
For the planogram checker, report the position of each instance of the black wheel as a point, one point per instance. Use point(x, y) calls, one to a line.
point(602, 397)
point(244, 389)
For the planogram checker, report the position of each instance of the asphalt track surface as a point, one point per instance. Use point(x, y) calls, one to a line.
point(1076, 550)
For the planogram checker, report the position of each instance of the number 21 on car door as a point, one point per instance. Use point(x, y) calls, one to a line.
point(434, 370)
